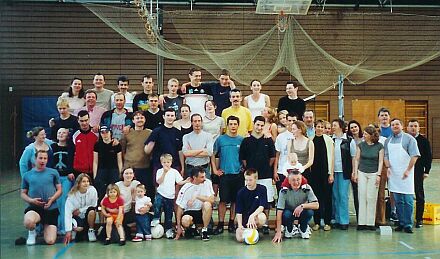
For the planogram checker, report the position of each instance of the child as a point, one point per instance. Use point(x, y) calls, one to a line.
point(292, 164)
point(142, 206)
point(113, 210)
point(166, 177)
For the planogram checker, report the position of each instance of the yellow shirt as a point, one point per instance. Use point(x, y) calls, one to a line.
point(245, 117)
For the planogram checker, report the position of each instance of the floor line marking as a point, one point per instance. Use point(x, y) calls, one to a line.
point(63, 250)
point(405, 244)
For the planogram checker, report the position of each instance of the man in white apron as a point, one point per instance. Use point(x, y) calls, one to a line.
point(401, 153)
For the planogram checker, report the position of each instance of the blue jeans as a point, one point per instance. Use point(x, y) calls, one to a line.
point(66, 185)
point(340, 198)
point(404, 209)
point(168, 208)
point(304, 218)
point(143, 224)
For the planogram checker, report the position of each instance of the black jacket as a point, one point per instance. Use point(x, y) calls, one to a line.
point(347, 166)
point(423, 164)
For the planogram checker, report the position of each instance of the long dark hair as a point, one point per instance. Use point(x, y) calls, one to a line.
point(349, 133)
point(81, 93)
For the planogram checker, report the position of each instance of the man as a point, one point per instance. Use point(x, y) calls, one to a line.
point(103, 95)
point(309, 120)
point(40, 188)
point(123, 85)
point(140, 101)
point(220, 91)
point(84, 140)
point(119, 119)
point(401, 154)
point(153, 115)
point(236, 109)
point(165, 139)
point(421, 168)
point(95, 112)
point(279, 170)
point(172, 99)
point(227, 147)
point(194, 205)
point(65, 120)
point(291, 102)
point(383, 116)
point(196, 94)
point(251, 202)
point(197, 147)
point(295, 203)
point(258, 152)
point(133, 152)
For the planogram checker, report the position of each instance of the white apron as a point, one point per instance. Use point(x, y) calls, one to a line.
point(399, 161)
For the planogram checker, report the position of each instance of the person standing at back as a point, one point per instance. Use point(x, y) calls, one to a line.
point(291, 102)
point(103, 95)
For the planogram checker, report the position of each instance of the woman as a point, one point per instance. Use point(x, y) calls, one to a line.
point(302, 146)
point(257, 100)
point(184, 124)
point(81, 206)
point(107, 161)
point(355, 131)
point(367, 173)
point(27, 160)
point(345, 150)
point(270, 127)
point(127, 187)
point(63, 163)
point(75, 95)
point(212, 123)
point(282, 121)
point(321, 177)
point(327, 128)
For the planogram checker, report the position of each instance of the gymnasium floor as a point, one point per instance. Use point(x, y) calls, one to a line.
point(424, 243)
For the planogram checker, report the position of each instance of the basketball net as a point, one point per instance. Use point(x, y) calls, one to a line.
point(282, 21)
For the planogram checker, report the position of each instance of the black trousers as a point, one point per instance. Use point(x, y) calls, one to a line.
point(323, 191)
point(420, 195)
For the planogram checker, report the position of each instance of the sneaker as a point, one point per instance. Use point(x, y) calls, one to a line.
point(154, 223)
point(219, 230)
point(122, 242)
point(137, 239)
point(315, 227)
point(398, 229)
point(265, 230)
point(393, 216)
point(408, 230)
point(231, 227)
point(169, 234)
point(419, 224)
point(327, 227)
point(288, 234)
point(107, 242)
point(205, 236)
point(91, 235)
point(148, 237)
point(305, 235)
point(308, 230)
point(32, 237)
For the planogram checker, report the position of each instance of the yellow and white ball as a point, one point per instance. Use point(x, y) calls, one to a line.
point(250, 236)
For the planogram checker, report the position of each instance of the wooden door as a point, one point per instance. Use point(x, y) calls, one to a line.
point(365, 111)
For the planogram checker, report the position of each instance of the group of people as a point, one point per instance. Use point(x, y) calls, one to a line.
point(127, 157)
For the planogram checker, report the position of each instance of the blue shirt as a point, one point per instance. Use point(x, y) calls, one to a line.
point(166, 140)
point(228, 149)
point(386, 132)
point(41, 184)
point(409, 143)
point(248, 201)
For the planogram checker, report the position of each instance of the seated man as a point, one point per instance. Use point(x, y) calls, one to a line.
point(40, 188)
point(194, 205)
point(251, 202)
point(296, 203)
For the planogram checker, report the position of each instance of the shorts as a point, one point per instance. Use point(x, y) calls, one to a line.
point(82, 222)
point(114, 217)
point(47, 217)
point(230, 184)
point(196, 215)
point(269, 188)
point(215, 179)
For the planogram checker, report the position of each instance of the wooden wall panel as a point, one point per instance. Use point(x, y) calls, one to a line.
point(44, 45)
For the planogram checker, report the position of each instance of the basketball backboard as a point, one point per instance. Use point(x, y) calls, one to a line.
point(300, 7)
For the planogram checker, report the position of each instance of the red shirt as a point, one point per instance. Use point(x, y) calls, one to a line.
point(112, 205)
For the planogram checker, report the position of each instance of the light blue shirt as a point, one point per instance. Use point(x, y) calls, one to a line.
point(228, 149)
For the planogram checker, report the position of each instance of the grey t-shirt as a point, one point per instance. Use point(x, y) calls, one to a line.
point(41, 184)
point(193, 141)
point(290, 199)
point(369, 158)
point(104, 99)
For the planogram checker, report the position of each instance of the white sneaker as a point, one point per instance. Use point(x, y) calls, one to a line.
point(91, 235)
point(154, 223)
point(295, 231)
point(305, 235)
point(32, 237)
point(169, 234)
point(287, 233)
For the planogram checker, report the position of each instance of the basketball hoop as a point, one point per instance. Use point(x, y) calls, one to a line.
point(282, 21)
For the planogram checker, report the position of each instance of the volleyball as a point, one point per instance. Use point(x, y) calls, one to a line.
point(251, 236)
point(157, 231)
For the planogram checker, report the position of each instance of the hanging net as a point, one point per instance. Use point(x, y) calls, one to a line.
point(282, 45)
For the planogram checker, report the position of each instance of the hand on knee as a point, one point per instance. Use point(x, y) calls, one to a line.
point(261, 219)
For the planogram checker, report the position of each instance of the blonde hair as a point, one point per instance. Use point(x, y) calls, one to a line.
point(78, 180)
point(166, 157)
point(113, 186)
point(63, 102)
point(173, 80)
point(141, 186)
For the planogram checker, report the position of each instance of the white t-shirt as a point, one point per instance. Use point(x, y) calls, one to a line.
point(281, 146)
point(141, 202)
point(126, 193)
point(190, 190)
point(168, 187)
point(288, 166)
